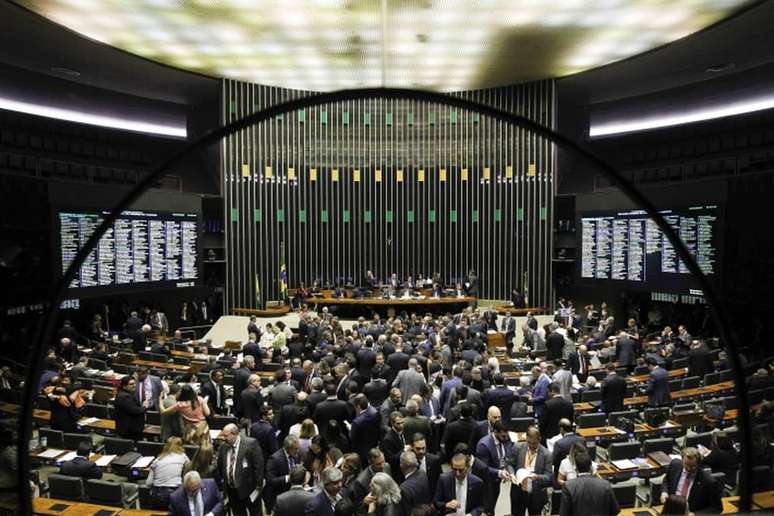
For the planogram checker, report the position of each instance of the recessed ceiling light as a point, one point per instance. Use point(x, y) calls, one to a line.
point(719, 68)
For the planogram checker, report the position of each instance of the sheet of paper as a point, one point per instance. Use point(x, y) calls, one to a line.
point(68, 456)
point(642, 463)
point(88, 421)
point(105, 460)
point(51, 453)
point(624, 464)
point(674, 456)
point(143, 462)
point(595, 363)
point(522, 479)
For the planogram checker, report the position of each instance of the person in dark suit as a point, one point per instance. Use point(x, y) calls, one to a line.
point(723, 458)
point(252, 401)
point(578, 362)
point(324, 503)
point(382, 370)
point(394, 442)
point(428, 462)
point(264, 431)
point(460, 430)
point(366, 360)
point(686, 478)
point(215, 393)
point(278, 469)
point(251, 348)
point(133, 322)
point(613, 391)
point(377, 391)
point(587, 494)
point(293, 501)
point(509, 330)
point(365, 429)
point(536, 458)
point(81, 466)
point(658, 385)
point(292, 414)
point(129, 413)
point(148, 390)
point(241, 378)
point(415, 489)
point(459, 489)
point(554, 410)
point(331, 408)
point(626, 351)
point(564, 444)
point(700, 360)
point(202, 494)
point(500, 396)
point(484, 428)
point(252, 327)
point(554, 345)
point(517, 299)
point(398, 361)
point(493, 450)
point(414, 422)
point(240, 466)
point(160, 348)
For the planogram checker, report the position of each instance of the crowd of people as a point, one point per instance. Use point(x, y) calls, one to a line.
point(404, 416)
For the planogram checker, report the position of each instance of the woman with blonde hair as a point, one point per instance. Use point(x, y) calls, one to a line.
point(166, 472)
point(305, 434)
point(384, 498)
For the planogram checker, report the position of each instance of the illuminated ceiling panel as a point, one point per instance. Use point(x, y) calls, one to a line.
point(444, 45)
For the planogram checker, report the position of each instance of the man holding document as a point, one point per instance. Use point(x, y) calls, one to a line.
point(529, 467)
point(240, 466)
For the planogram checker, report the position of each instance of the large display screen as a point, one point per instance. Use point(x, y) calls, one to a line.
point(627, 246)
point(141, 248)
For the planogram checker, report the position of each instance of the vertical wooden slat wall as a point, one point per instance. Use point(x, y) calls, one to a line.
point(359, 185)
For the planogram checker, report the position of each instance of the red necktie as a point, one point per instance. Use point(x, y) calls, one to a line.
point(686, 485)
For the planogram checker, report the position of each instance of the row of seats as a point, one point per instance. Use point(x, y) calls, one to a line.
point(52, 168)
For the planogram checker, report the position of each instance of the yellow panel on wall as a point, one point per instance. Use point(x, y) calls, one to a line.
point(442, 174)
point(399, 176)
point(312, 174)
point(335, 175)
point(531, 170)
point(464, 174)
point(268, 172)
point(421, 175)
point(487, 173)
point(291, 173)
point(378, 175)
point(356, 175)
point(509, 171)
point(245, 170)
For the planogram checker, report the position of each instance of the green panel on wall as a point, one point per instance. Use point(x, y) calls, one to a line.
point(301, 115)
point(453, 117)
point(431, 216)
point(543, 213)
point(302, 216)
point(453, 216)
point(367, 216)
point(232, 106)
point(409, 118)
point(388, 119)
point(280, 215)
point(324, 216)
point(475, 215)
point(345, 117)
point(257, 215)
point(345, 216)
point(323, 117)
point(366, 118)
point(410, 216)
point(498, 215)
point(281, 117)
point(388, 216)
point(433, 117)
point(234, 214)
point(476, 118)
point(520, 214)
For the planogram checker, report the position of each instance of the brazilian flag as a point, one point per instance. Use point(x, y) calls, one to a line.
point(283, 276)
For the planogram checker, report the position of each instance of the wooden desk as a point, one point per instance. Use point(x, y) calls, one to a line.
point(44, 506)
point(673, 373)
point(161, 365)
point(764, 500)
point(506, 309)
point(608, 469)
point(600, 432)
point(390, 303)
point(583, 407)
point(686, 393)
point(142, 512)
point(495, 340)
point(89, 509)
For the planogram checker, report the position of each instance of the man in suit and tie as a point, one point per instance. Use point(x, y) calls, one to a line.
point(196, 497)
point(241, 378)
point(365, 429)
point(366, 359)
point(265, 432)
point(133, 323)
point(459, 490)
point(587, 494)
point(414, 422)
point(626, 351)
point(509, 329)
point(252, 401)
point(215, 393)
point(309, 374)
point(130, 413)
point(540, 392)
point(240, 466)
point(530, 495)
point(410, 381)
point(613, 391)
point(578, 362)
point(415, 489)
point(81, 466)
point(278, 469)
point(251, 348)
point(376, 390)
point(324, 504)
point(700, 360)
point(562, 445)
point(554, 343)
point(459, 431)
point(493, 450)
point(330, 408)
point(658, 385)
point(293, 501)
point(500, 396)
point(428, 462)
point(553, 411)
point(149, 388)
point(486, 427)
point(686, 478)
point(394, 442)
point(284, 390)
